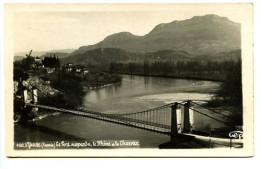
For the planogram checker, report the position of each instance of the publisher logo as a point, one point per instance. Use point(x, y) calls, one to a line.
point(236, 134)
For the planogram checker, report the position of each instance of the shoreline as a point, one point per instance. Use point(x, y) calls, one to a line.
point(173, 77)
point(85, 89)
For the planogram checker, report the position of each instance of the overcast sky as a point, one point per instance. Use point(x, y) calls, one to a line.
point(47, 30)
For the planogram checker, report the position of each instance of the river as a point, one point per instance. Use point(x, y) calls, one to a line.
point(133, 94)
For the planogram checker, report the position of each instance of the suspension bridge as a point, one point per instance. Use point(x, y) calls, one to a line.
point(175, 119)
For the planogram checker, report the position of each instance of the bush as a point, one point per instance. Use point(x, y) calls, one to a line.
point(20, 73)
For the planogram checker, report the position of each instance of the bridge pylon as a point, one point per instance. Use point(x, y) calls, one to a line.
point(174, 129)
point(186, 120)
point(25, 96)
point(34, 97)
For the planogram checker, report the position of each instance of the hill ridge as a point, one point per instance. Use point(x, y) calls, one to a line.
point(200, 34)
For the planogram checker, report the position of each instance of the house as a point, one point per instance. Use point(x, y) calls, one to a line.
point(85, 71)
point(78, 70)
point(69, 65)
point(68, 69)
point(50, 70)
point(37, 60)
point(37, 63)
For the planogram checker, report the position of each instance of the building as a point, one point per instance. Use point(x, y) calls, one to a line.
point(37, 63)
point(85, 71)
point(37, 60)
point(68, 69)
point(50, 70)
point(77, 69)
point(69, 65)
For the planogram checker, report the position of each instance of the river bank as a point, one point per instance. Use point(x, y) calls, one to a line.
point(214, 71)
point(74, 86)
point(191, 77)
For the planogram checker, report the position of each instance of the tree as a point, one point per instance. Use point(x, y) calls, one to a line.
point(19, 73)
point(231, 89)
point(53, 62)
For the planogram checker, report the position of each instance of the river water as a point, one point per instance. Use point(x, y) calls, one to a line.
point(137, 93)
point(133, 94)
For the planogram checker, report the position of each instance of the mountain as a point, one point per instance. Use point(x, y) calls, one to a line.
point(104, 56)
point(34, 53)
point(61, 53)
point(108, 55)
point(116, 40)
point(222, 56)
point(198, 35)
point(16, 58)
point(57, 54)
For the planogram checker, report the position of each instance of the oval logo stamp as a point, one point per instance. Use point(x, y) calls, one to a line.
point(236, 134)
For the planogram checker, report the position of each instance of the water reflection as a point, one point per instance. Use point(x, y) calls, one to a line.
point(111, 90)
point(146, 81)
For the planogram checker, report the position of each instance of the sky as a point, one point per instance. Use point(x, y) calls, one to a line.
point(63, 28)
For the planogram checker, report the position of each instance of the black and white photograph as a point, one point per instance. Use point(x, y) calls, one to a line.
point(129, 79)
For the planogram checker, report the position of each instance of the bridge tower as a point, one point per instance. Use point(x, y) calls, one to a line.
point(174, 129)
point(25, 96)
point(186, 120)
point(34, 97)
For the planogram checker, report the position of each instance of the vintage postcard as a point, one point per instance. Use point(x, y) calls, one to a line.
point(129, 80)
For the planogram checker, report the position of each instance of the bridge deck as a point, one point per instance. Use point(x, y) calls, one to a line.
point(119, 119)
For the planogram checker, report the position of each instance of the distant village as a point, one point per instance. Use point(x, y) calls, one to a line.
point(39, 63)
point(49, 69)
point(48, 75)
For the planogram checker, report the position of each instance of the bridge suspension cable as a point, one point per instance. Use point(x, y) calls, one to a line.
point(210, 109)
point(209, 116)
point(38, 90)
